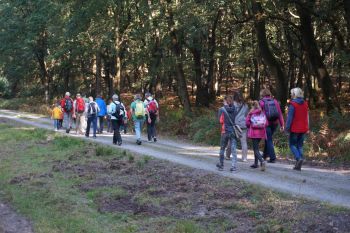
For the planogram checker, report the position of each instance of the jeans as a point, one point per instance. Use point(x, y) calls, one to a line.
point(93, 120)
point(67, 120)
point(269, 150)
point(151, 127)
point(117, 138)
point(138, 123)
point(56, 124)
point(296, 141)
point(257, 155)
point(109, 125)
point(225, 138)
point(80, 123)
point(244, 145)
point(100, 127)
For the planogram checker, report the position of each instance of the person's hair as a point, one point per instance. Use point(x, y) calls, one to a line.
point(137, 97)
point(237, 97)
point(67, 94)
point(265, 92)
point(115, 97)
point(297, 93)
point(78, 95)
point(256, 105)
point(91, 98)
point(148, 94)
point(229, 99)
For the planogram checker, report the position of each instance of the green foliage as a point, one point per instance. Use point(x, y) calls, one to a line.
point(187, 227)
point(105, 151)
point(205, 129)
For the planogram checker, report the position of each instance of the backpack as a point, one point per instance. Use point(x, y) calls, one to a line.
point(80, 105)
point(271, 110)
point(152, 107)
point(119, 111)
point(92, 108)
point(140, 109)
point(258, 121)
point(68, 106)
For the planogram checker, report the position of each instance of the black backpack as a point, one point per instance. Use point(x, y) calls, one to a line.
point(92, 109)
point(118, 108)
point(68, 106)
point(270, 109)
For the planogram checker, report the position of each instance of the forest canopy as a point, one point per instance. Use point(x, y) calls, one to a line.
point(197, 49)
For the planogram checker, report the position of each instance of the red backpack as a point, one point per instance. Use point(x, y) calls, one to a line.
point(80, 105)
point(152, 107)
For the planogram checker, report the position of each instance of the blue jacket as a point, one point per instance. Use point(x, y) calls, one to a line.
point(291, 111)
point(102, 105)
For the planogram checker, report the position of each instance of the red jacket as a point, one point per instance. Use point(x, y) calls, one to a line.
point(300, 122)
point(63, 103)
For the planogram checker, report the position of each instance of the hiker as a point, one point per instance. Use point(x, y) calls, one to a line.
point(256, 122)
point(56, 115)
point(117, 113)
point(109, 122)
point(92, 111)
point(79, 107)
point(68, 111)
point(240, 117)
point(274, 117)
point(227, 117)
point(102, 113)
point(138, 112)
point(124, 126)
point(297, 125)
point(153, 110)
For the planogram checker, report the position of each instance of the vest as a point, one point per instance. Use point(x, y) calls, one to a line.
point(300, 119)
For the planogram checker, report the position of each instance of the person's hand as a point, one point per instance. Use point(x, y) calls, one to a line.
point(282, 128)
point(149, 120)
point(74, 116)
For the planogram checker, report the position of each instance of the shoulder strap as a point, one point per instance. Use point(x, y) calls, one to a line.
point(228, 116)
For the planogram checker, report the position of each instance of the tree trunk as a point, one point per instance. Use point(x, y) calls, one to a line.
point(256, 86)
point(265, 52)
point(314, 57)
point(176, 48)
point(98, 74)
point(347, 16)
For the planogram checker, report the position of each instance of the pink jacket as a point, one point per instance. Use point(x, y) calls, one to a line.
point(254, 132)
point(280, 120)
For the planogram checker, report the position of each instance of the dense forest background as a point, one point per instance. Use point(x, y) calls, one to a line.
point(195, 49)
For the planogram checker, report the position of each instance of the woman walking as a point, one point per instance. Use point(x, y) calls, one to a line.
point(256, 122)
point(297, 125)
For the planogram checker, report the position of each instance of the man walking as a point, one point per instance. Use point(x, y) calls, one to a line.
point(138, 112)
point(79, 108)
point(117, 114)
point(92, 111)
point(68, 111)
point(102, 113)
point(153, 110)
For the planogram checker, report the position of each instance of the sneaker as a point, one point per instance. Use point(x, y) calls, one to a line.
point(155, 139)
point(220, 166)
point(119, 143)
point(272, 161)
point(254, 166)
point(263, 166)
point(114, 143)
point(138, 142)
point(298, 165)
point(56, 130)
point(244, 160)
point(227, 158)
point(233, 169)
point(67, 130)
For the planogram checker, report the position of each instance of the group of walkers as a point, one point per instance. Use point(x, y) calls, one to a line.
point(259, 123)
point(87, 111)
point(237, 122)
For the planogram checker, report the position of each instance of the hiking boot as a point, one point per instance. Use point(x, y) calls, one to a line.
point(119, 143)
point(254, 166)
point(138, 142)
point(220, 166)
point(155, 139)
point(298, 165)
point(263, 166)
point(233, 169)
point(67, 130)
point(272, 161)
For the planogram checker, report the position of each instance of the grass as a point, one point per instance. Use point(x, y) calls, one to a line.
point(68, 185)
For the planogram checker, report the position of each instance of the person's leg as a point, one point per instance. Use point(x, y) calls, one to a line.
point(293, 145)
point(65, 121)
point(55, 124)
point(149, 129)
point(270, 148)
point(89, 119)
point(153, 127)
point(244, 145)
point(94, 125)
point(300, 144)
point(223, 143)
point(101, 124)
point(256, 150)
point(115, 128)
point(118, 136)
point(234, 151)
point(137, 124)
point(228, 149)
point(77, 123)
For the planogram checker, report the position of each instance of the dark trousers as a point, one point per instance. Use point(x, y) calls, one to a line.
point(151, 127)
point(116, 134)
point(109, 125)
point(269, 150)
point(257, 155)
point(296, 142)
point(93, 120)
point(100, 119)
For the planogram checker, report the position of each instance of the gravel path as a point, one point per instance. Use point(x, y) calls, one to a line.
point(314, 183)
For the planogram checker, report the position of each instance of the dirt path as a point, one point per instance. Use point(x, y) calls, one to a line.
point(314, 183)
point(10, 222)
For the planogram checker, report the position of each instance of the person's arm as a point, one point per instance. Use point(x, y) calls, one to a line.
point(290, 117)
point(247, 120)
point(280, 117)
